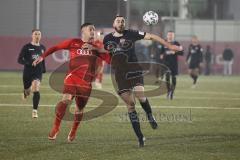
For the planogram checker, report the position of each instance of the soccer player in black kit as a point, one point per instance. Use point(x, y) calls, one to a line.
point(170, 59)
point(194, 59)
point(32, 76)
point(121, 43)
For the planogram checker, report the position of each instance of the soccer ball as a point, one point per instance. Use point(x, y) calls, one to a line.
point(150, 18)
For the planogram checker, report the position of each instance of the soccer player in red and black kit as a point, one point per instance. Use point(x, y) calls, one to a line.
point(32, 76)
point(170, 59)
point(121, 42)
point(195, 59)
point(77, 83)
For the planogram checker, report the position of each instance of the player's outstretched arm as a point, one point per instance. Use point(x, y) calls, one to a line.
point(63, 45)
point(154, 37)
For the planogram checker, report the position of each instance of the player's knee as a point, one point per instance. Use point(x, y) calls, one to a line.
point(139, 92)
point(131, 108)
point(67, 98)
point(66, 101)
point(35, 86)
point(140, 96)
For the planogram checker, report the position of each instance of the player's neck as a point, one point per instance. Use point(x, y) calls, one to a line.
point(117, 34)
point(35, 43)
point(84, 39)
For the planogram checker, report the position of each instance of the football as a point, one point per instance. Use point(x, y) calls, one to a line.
point(150, 18)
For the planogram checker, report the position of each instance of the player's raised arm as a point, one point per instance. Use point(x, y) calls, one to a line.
point(154, 37)
point(60, 46)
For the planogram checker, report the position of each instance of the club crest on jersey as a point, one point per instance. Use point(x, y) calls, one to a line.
point(84, 52)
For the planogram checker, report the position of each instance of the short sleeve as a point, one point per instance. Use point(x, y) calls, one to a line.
point(137, 35)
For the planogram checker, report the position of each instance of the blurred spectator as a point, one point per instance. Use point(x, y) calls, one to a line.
point(158, 59)
point(227, 60)
point(208, 59)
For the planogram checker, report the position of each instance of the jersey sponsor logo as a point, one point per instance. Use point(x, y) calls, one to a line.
point(31, 49)
point(35, 56)
point(123, 46)
point(84, 52)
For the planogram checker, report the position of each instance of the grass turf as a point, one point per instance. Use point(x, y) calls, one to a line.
point(201, 123)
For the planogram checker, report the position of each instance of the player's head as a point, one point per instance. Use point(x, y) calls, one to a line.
point(87, 31)
point(36, 35)
point(195, 40)
point(119, 24)
point(170, 36)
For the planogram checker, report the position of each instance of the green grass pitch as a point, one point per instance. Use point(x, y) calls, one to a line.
point(199, 124)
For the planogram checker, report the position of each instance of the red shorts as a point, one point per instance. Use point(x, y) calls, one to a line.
point(76, 86)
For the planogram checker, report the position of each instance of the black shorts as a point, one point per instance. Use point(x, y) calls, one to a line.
point(30, 74)
point(174, 70)
point(194, 65)
point(125, 83)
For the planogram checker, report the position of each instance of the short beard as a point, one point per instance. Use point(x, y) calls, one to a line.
point(118, 31)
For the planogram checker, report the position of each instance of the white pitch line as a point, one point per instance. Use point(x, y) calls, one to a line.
point(19, 86)
point(181, 91)
point(19, 94)
point(159, 97)
point(122, 106)
point(207, 92)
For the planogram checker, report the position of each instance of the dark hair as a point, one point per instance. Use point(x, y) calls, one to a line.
point(119, 16)
point(170, 31)
point(33, 30)
point(86, 24)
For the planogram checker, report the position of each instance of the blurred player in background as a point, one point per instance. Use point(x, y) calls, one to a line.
point(208, 60)
point(170, 59)
point(195, 59)
point(32, 76)
point(100, 62)
point(227, 56)
point(122, 42)
point(81, 73)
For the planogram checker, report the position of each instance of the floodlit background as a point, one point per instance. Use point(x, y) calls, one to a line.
point(215, 22)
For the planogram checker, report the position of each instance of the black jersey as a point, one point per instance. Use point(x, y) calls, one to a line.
point(28, 54)
point(195, 54)
point(170, 58)
point(124, 44)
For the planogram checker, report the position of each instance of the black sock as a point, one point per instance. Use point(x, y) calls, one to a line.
point(135, 124)
point(146, 107)
point(174, 83)
point(168, 82)
point(192, 76)
point(36, 99)
point(195, 79)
